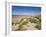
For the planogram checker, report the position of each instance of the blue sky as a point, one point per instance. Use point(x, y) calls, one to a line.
point(26, 10)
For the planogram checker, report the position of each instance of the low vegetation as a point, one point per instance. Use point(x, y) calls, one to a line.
point(24, 21)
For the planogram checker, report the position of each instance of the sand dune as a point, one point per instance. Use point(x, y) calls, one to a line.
point(28, 26)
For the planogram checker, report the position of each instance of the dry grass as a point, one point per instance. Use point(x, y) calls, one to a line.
point(26, 23)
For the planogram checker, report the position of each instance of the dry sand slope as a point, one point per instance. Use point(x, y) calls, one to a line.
point(20, 26)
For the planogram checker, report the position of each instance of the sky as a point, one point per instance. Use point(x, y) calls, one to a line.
point(26, 10)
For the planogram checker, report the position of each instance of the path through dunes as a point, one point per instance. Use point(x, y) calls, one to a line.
point(25, 22)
